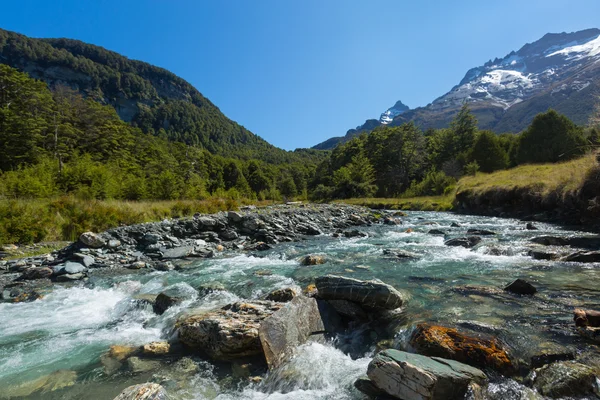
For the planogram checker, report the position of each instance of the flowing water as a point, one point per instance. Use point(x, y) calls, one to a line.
point(70, 328)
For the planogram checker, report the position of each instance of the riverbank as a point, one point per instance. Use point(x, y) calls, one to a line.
point(564, 193)
point(65, 218)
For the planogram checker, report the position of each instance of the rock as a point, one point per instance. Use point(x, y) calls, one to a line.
point(412, 376)
point(177, 252)
point(69, 277)
point(229, 333)
point(455, 225)
point(282, 295)
point(137, 265)
point(164, 266)
point(114, 243)
point(313, 260)
point(364, 385)
point(520, 286)
point(405, 255)
point(586, 317)
point(542, 255)
point(91, 239)
point(550, 241)
point(234, 216)
point(41, 387)
point(228, 234)
point(36, 273)
point(531, 227)
point(169, 298)
point(566, 378)
point(349, 309)
point(156, 348)
point(391, 221)
point(144, 391)
point(436, 232)
point(439, 341)
point(468, 241)
point(584, 257)
point(121, 353)
point(354, 233)
point(136, 365)
point(87, 261)
point(480, 232)
point(282, 332)
point(151, 238)
point(207, 222)
point(540, 360)
point(308, 229)
point(374, 293)
point(73, 268)
point(590, 333)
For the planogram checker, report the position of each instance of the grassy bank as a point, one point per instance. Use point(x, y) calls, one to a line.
point(425, 203)
point(568, 191)
point(65, 218)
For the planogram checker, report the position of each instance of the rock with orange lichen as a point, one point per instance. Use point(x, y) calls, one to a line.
point(439, 341)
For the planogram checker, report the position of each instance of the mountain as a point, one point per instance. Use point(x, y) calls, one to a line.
point(149, 97)
point(560, 71)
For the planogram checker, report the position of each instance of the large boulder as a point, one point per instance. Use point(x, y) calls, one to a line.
point(412, 376)
point(228, 333)
point(439, 341)
point(373, 294)
point(567, 378)
point(286, 329)
point(144, 391)
point(520, 286)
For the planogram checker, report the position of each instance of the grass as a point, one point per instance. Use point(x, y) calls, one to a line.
point(541, 178)
point(425, 203)
point(65, 218)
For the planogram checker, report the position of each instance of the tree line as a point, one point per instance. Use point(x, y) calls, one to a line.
point(403, 160)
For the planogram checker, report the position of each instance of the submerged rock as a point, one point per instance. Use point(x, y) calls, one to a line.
point(401, 254)
point(567, 378)
point(228, 333)
point(439, 341)
point(467, 241)
point(584, 257)
point(169, 298)
point(543, 255)
point(480, 232)
point(313, 260)
point(144, 391)
point(520, 286)
point(44, 385)
point(374, 293)
point(436, 232)
point(550, 241)
point(282, 332)
point(412, 376)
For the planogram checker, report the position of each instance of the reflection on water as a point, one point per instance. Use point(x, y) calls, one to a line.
point(71, 328)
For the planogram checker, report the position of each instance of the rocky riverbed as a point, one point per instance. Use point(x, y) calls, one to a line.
point(306, 301)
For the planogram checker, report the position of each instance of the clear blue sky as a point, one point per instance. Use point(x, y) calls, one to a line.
point(299, 72)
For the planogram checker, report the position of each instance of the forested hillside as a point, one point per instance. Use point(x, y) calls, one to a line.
point(59, 142)
point(151, 98)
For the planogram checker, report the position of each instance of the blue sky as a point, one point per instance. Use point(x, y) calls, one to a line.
point(299, 72)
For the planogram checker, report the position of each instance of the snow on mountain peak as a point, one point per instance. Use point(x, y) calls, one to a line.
point(576, 52)
point(392, 112)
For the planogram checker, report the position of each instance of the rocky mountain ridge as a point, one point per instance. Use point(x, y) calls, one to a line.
point(560, 71)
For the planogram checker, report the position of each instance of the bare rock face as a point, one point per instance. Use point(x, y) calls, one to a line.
point(286, 329)
point(228, 333)
point(144, 391)
point(439, 341)
point(374, 293)
point(412, 376)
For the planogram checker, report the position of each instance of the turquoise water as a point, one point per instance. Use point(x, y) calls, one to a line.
point(71, 328)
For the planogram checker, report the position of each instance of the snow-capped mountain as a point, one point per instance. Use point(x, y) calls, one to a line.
point(560, 71)
point(392, 112)
point(520, 75)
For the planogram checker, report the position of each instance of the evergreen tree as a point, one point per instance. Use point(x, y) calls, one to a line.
point(488, 153)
